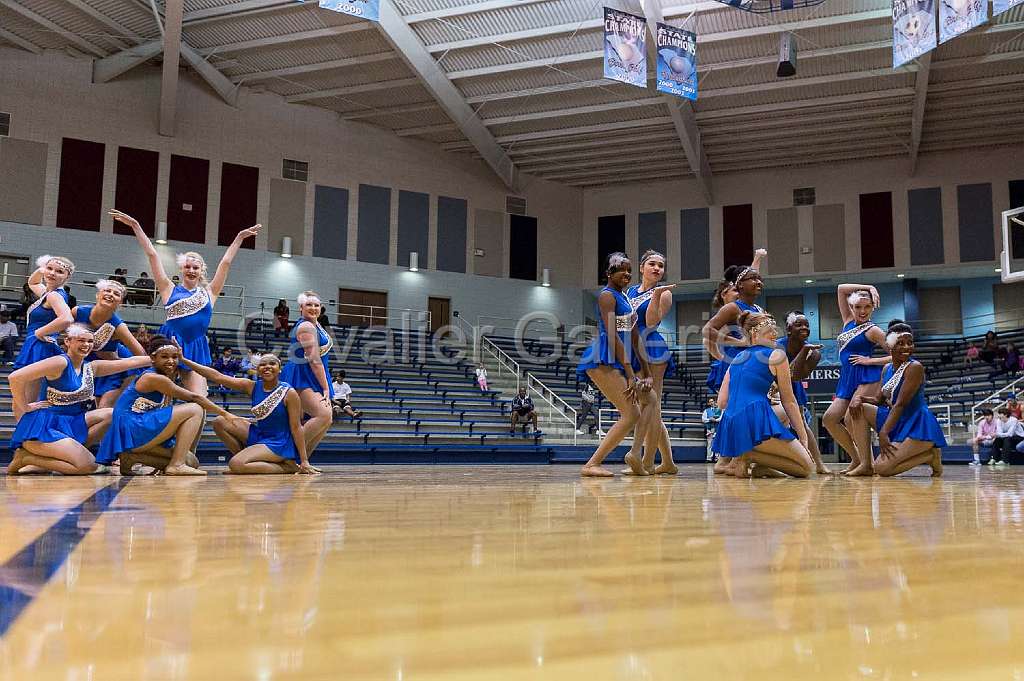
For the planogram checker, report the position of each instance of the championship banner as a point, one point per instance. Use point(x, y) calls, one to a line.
point(960, 16)
point(1000, 6)
point(364, 9)
point(677, 61)
point(625, 47)
point(913, 29)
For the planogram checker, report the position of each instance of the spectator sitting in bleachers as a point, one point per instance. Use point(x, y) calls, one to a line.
point(342, 402)
point(142, 335)
point(984, 434)
point(72, 300)
point(227, 363)
point(523, 411)
point(971, 355)
point(120, 275)
point(1009, 433)
point(8, 337)
point(142, 291)
point(588, 402)
point(281, 314)
point(1014, 407)
point(481, 376)
point(990, 348)
point(27, 298)
point(250, 363)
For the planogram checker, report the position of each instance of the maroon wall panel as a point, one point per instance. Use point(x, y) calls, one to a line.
point(876, 230)
point(238, 189)
point(80, 197)
point(137, 171)
point(738, 234)
point(186, 199)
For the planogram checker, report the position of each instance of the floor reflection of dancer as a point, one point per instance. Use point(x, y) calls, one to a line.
point(651, 303)
point(273, 441)
point(45, 318)
point(112, 337)
point(803, 359)
point(909, 435)
point(308, 369)
point(749, 430)
point(858, 374)
point(723, 337)
point(189, 305)
point(53, 433)
point(609, 363)
point(148, 428)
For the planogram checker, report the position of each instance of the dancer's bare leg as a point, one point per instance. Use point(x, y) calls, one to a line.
point(66, 456)
point(613, 386)
point(833, 421)
point(195, 383)
point(785, 456)
point(97, 421)
point(860, 429)
point(233, 434)
point(909, 454)
point(320, 417)
point(259, 460)
point(633, 458)
point(658, 428)
point(185, 424)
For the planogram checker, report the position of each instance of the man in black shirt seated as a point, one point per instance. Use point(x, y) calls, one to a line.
point(523, 411)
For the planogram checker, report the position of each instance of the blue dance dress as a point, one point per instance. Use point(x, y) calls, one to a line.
point(69, 396)
point(104, 341)
point(297, 372)
point(854, 341)
point(654, 343)
point(748, 419)
point(917, 422)
point(272, 427)
point(720, 366)
point(600, 352)
point(34, 349)
point(138, 418)
point(188, 319)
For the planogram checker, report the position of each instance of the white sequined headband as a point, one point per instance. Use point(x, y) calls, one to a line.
point(165, 347)
point(854, 297)
point(762, 325)
point(895, 336)
point(793, 316)
point(104, 284)
point(66, 264)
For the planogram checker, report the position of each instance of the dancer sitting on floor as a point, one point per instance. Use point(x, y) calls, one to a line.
point(909, 435)
point(53, 433)
point(273, 441)
point(750, 432)
point(148, 429)
point(803, 359)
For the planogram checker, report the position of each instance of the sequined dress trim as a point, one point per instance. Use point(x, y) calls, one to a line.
point(269, 403)
point(188, 306)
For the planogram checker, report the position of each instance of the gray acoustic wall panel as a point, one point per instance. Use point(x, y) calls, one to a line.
point(695, 243)
point(413, 226)
point(974, 211)
point(489, 237)
point(22, 180)
point(330, 222)
point(924, 218)
point(829, 238)
point(287, 214)
point(374, 224)
point(783, 242)
point(451, 234)
point(651, 233)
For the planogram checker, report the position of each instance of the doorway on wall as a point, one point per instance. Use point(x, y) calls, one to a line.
point(14, 272)
point(440, 313)
point(362, 308)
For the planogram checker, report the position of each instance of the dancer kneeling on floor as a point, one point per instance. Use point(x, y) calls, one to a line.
point(749, 430)
point(273, 441)
point(147, 428)
point(909, 435)
point(53, 433)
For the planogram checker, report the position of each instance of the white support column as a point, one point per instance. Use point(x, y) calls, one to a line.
point(169, 80)
point(920, 102)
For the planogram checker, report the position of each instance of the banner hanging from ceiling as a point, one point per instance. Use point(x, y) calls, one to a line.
point(960, 16)
point(1000, 6)
point(364, 9)
point(913, 30)
point(625, 47)
point(677, 61)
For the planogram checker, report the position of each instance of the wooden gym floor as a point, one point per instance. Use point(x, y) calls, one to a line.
point(509, 573)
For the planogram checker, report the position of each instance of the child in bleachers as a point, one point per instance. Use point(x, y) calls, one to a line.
point(481, 376)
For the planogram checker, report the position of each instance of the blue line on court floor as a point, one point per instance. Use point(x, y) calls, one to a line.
point(25, 574)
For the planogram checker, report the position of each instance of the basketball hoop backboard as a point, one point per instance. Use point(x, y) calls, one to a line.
point(1012, 258)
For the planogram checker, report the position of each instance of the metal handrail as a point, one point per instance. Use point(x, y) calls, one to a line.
point(554, 401)
point(472, 330)
point(947, 425)
point(996, 394)
point(504, 360)
point(600, 423)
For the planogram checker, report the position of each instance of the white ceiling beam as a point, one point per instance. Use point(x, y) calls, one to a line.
point(313, 68)
point(976, 83)
point(173, 11)
point(119, 30)
point(606, 170)
point(809, 103)
point(783, 153)
point(474, 8)
point(545, 90)
point(787, 83)
point(573, 111)
point(585, 130)
point(664, 133)
point(526, 65)
point(236, 9)
point(383, 111)
point(352, 89)
point(587, 161)
point(795, 128)
point(287, 38)
point(108, 68)
point(19, 41)
point(426, 130)
point(664, 175)
point(920, 103)
point(754, 163)
point(402, 37)
point(227, 90)
point(51, 26)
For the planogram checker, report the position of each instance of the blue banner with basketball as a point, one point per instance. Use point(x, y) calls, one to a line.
point(960, 16)
point(677, 61)
point(364, 9)
point(625, 47)
point(913, 30)
point(1000, 6)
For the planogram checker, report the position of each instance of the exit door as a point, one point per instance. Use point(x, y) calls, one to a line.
point(440, 312)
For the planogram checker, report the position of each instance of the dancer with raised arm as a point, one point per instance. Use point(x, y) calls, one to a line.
point(750, 432)
point(45, 318)
point(611, 362)
point(651, 303)
point(148, 429)
point(112, 337)
point(803, 359)
point(189, 304)
point(53, 433)
point(273, 441)
point(308, 368)
point(909, 435)
point(725, 294)
point(858, 374)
